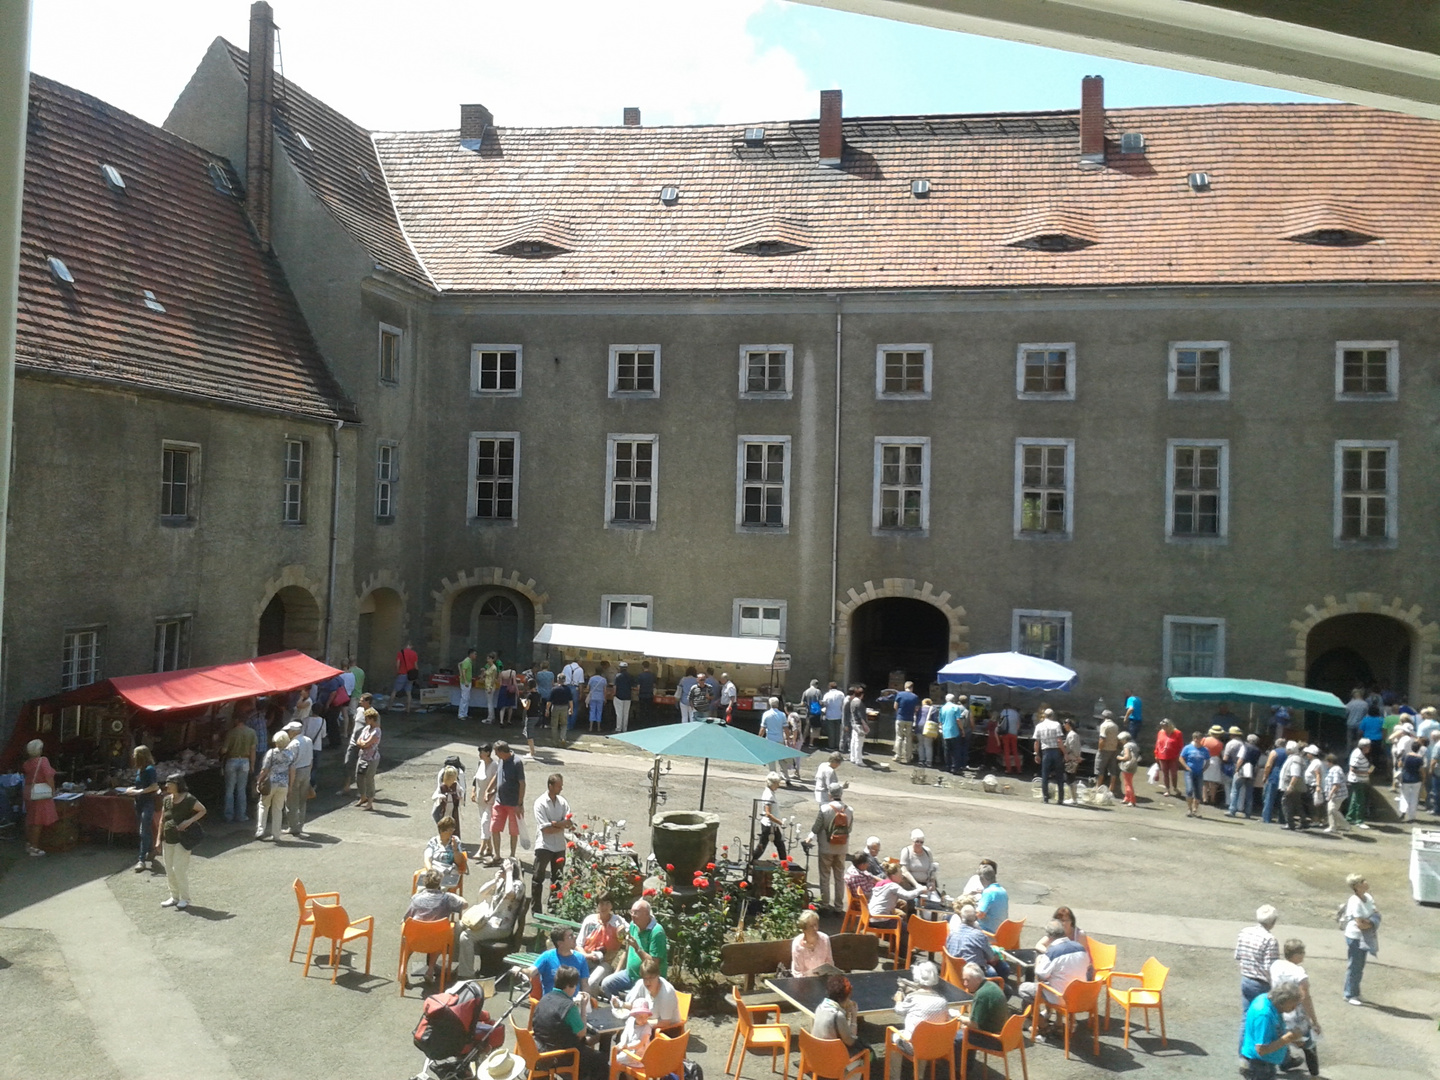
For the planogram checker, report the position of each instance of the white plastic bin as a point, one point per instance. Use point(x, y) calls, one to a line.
point(1425, 865)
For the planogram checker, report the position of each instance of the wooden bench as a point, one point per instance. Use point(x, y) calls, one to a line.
point(544, 923)
point(852, 952)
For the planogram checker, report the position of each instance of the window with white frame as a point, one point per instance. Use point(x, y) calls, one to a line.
point(765, 371)
point(763, 486)
point(902, 371)
point(172, 642)
point(387, 475)
point(179, 478)
point(1045, 371)
point(1045, 634)
point(1194, 647)
point(630, 486)
point(80, 657)
point(494, 475)
point(1366, 508)
point(391, 338)
point(1367, 370)
point(1200, 370)
point(635, 371)
point(1044, 487)
point(1197, 489)
point(760, 618)
point(627, 612)
point(292, 499)
point(495, 370)
point(902, 484)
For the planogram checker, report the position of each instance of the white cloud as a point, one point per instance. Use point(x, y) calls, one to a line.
point(393, 65)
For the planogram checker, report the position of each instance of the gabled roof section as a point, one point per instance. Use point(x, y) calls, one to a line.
point(337, 160)
point(1141, 223)
point(230, 331)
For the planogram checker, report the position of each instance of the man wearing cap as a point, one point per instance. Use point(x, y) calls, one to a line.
point(624, 693)
point(1229, 762)
point(1107, 751)
point(1358, 779)
point(832, 828)
point(299, 793)
point(1292, 786)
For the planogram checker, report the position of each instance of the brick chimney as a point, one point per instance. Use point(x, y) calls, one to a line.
point(832, 134)
point(632, 116)
point(474, 121)
point(259, 119)
point(1092, 120)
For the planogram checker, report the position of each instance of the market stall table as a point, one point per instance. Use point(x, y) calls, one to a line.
point(113, 813)
point(872, 991)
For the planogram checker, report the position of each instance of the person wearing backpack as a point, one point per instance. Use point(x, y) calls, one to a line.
point(832, 828)
point(811, 711)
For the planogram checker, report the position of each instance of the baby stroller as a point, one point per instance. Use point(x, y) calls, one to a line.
point(455, 1031)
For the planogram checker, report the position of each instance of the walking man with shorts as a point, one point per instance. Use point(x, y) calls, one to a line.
point(506, 794)
point(407, 673)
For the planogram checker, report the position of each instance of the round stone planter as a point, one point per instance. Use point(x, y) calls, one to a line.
point(686, 840)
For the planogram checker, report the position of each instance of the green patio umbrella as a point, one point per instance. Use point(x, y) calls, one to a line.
point(709, 739)
point(1255, 691)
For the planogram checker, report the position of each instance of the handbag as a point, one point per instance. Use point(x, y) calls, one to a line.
point(262, 783)
point(41, 791)
point(1247, 771)
point(191, 836)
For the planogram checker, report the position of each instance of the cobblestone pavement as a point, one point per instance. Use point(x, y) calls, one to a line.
point(100, 981)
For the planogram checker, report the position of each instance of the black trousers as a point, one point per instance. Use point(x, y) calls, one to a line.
point(768, 833)
point(554, 861)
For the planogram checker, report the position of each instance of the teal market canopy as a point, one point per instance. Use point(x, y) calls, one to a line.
point(1255, 691)
point(709, 739)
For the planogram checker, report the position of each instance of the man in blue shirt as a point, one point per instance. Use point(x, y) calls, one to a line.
point(994, 906)
point(1264, 1040)
point(951, 730)
point(1133, 709)
point(906, 702)
point(1196, 757)
point(561, 954)
point(772, 722)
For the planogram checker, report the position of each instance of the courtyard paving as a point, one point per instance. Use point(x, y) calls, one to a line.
point(100, 981)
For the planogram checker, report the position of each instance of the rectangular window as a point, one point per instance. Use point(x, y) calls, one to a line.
point(627, 612)
point(1045, 634)
point(765, 371)
point(1044, 487)
point(172, 643)
point(494, 475)
point(1194, 647)
point(1197, 489)
point(1045, 371)
point(1365, 488)
point(386, 476)
point(631, 488)
point(763, 500)
point(902, 371)
point(179, 468)
point(901, 484)
point(1200, 369)
point(1367, 370)
point(292, 504)
point(759, 618)
point(80, 657)
point(495, 370)
point(390, 339)
point(634, 370)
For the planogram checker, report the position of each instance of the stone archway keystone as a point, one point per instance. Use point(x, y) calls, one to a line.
point(901, 588)
point(478, 578)
point(1427, 635)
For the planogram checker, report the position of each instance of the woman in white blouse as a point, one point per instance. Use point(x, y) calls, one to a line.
point(1362, 919)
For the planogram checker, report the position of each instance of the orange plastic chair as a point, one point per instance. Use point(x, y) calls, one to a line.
point(331, 921)
point(933, 1041)
point(852, 911)
point(1081, 996)
point(664, 1055)
point(774, 1037)
point(950, 968)
point(888, 934)
point(1012, 1037)
point(683, 998)
point(434, 938)
point(1007, 934)
point(1102, 958)
point(1147, 996)
point(305, 899)
point(829, 1059)
point(925, 935)
point(551, 1063)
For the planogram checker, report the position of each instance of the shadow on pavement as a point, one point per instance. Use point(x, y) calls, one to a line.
point(209, 914)
point(1399, 1013)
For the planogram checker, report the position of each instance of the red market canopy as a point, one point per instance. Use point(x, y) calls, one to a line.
point(197, 687)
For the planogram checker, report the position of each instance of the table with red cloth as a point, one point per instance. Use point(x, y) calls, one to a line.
point(113, 813)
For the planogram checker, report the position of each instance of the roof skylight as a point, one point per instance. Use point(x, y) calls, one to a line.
point(113, 177)
point(219, 178)
point(754, 136)
point(1198, 181)
point(152, 303)
point(60, 270)
point(919, 188)
point(669, 194)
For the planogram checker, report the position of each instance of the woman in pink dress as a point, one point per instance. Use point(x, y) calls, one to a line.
point(39, 806)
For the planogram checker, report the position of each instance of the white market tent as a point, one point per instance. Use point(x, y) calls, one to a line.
point(702, 648)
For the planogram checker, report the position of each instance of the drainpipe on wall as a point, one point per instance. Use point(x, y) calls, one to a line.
point(835, 496)
point(334, 533)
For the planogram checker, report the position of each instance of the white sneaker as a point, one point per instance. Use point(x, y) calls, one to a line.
point(169, 901)
point(140, 867)
point(1328, 829)
point(1354, 1001)
point(1362, 825)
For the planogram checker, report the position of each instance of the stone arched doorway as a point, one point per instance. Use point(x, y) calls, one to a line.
point(1365, 641)
point(860, 654)
point(379, 633)
point(290, 620)
point(489, 609)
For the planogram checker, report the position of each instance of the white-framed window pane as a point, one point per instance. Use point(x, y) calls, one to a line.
point(1042, 636)
point(1046, 371)
point(80, 658)
point(1197, 371)
point(759, 620)
point(174, 483)
point(763, 484)
point(1197, 491)
point(389, 354)
point(904, 372)
point(1365, 371)
point(902, 481)
point(1365, 493)
point(172, 643)
point(385, 478)
point(633, 472)
point(1194, 649)
point(627, 612)
point(495, 479)
point(292, 511)
point(1043, 489)
point(499, 370)
point(765, 372)
point(634, 371)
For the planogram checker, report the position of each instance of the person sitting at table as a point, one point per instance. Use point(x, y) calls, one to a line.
point(836, 1018)
point(871, 855)
point(602, 940)
point(1056, 968)
point(443, 853)
point(859, 881)
point(988, 1012)
point(810, 949)
point(558, 1023)
point(966, 941)
point(433, 904)
point(645, 938)
point(654, 989)
point(974, 887)
point(994, 905)
point(639, 1026)
point(1066, 918)
point(562, 953)
point(918, 864)
point(891, 897)
point(918, 1000)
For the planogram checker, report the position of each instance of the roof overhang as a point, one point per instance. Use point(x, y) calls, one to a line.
point(699, 647)
point(1383, 53)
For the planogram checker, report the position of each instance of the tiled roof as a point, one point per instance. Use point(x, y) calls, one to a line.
point(769, 217)
point(230, 330)
point(337, 160)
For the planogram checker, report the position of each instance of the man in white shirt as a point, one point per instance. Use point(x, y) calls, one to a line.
point(654, 988)
point(1107, 751)
point(1057, 967)
point(552, 822)
point(575, 679)
point(833, 704)
point(827, 774)
point(728, 696)
point(313, 728)
point(1051, 758)
point(299, 794)
point(682, 694)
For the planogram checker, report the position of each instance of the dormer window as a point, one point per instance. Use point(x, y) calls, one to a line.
point(1053, 242)
point(538, 237)
point(1052, 229)
point(1333, 238)
point(768, 247)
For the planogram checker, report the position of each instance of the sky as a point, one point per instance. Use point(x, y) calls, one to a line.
point(393, 65)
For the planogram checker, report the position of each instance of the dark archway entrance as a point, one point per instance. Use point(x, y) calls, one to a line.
point(379, 634)
point(290, 621)
point(896, 635)
point(492, 620)
point(1370, 651)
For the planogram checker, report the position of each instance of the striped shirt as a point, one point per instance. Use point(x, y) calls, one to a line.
point(1256, 949)
point(1359, 767)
